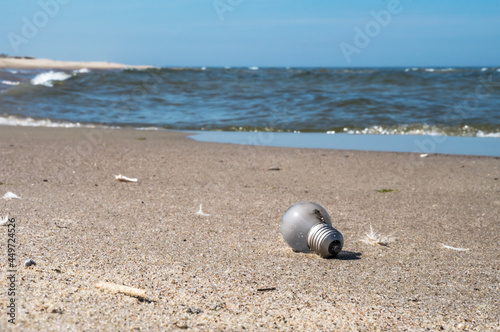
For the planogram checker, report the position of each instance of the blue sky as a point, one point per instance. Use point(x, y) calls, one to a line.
point(256, 32)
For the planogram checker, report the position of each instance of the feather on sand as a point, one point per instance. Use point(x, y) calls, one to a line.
point(454, 248)
point(375, 239)
point(4, 221)
point(10, 195)
point(201, 213)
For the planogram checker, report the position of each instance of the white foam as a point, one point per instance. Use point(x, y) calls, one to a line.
point(48, 77)
point(431, 70)
point(440, 70)
point(146, 128)
point(423, 130)
point(29, 122)
point(401, 131)
point(82, 71)
point(481, 133)
point(9, 83)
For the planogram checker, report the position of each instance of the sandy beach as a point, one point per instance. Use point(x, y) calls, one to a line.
point(34, 63)
point(232, 270)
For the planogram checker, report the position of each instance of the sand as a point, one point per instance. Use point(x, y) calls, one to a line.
point(63, 65)
point(232, 270)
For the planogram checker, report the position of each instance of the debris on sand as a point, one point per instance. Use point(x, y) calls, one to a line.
point(10, 195)
point(375, 239)
point(115, 288)
point(456, 249)
point(29, 262)
point(123, 178)
point(201, 213)
point(266, 289)
point(4, 221)
point(386, 190)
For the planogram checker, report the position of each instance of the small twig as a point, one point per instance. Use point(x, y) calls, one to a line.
point(266, 289)
point(130, 291)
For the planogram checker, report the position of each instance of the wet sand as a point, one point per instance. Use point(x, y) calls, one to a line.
point(232, 270)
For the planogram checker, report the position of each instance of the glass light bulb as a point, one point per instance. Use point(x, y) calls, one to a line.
point(306, 227)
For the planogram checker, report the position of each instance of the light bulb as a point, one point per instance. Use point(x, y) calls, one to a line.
point(306, 227)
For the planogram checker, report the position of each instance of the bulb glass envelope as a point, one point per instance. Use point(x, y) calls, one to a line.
point(298, 220)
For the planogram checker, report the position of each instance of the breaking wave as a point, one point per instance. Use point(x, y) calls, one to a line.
point(48, 78)
point(30, 122)
point(420, 129)
point(9, 82)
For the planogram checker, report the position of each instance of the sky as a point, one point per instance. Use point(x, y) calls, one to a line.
point(277, 33)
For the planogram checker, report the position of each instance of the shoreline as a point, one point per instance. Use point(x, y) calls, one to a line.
point(82, 227)
point(35, 63)
point(417, 144)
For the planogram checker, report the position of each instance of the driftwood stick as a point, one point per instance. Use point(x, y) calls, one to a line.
point(115, 288)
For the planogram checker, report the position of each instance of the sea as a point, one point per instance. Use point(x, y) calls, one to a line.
point(341, 102)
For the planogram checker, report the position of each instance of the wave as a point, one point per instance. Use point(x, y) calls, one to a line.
point(9, 83)
point(433, 70)
point(415, 129)
point(364, 101)
point(30, 122)
point(48, 78)
point(81, 71)
point(480, 133)
point(451, 69)
point(421, 129)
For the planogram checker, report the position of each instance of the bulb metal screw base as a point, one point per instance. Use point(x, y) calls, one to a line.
point(325, 240)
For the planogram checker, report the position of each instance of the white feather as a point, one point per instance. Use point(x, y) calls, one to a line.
point(375, 239)
point(4, 221)
point(201, 213)
point(10, 195)
point(453, 248)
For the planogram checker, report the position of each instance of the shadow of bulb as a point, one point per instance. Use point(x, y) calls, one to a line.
point(307, 227)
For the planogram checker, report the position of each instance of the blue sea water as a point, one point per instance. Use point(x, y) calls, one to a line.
point(420, 144)
point(375, 101)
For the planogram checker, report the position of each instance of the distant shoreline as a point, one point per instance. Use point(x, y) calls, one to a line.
point(33, 63)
